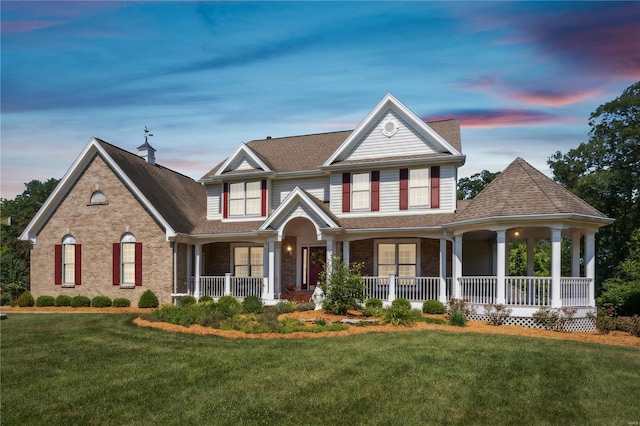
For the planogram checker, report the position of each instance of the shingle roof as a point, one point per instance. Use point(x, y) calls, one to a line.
point(309, 152)
point(522, 190)
point(180, 200)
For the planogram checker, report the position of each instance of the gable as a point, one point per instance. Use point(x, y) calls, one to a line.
point(243, 160)
point(390, 136)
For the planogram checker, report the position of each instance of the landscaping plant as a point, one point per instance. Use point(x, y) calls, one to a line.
point(25, 300)
point(148, 299)
point(496, 313)
point(80, 302)
point(101, 302)
point(45, 301)
point(63, 300)
point(342, 285)
point(433, 307)
point(554, 319)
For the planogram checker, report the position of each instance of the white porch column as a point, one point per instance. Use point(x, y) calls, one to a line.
point(189, 270)
point(330, 249)
point(267, 289)
point(227, 284)
point(531, 245)
point(196, 290)
point(345, 252)
point(457, 266)
point(590, 264)
point(443, 271)
point(392, 288)
point(556, 240)
point(271, 268)
point(500, 269)
point(575, 254)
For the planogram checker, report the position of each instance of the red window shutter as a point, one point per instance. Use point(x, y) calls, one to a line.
point(375, 191)
point(78, 264)
point(115, 264)
point(404, 189)
point(264, 196)
point(435, 187)
point(346, 192)
point(57, 268)
point(138, 264)
point(225, 200)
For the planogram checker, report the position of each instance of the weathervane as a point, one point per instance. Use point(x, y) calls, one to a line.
point(147, 134)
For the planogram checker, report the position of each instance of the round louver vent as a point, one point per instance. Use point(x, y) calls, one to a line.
point(389, 129)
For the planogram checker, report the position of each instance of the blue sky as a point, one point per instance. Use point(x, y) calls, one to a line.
point(522, 77)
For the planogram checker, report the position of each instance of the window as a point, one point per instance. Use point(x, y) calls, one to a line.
point(245, 199)
point(68, 258)
point(360, 191)
point(419, 188)
point(248, 261)
point(400, 259)
point(127, 262)
point(98, 197)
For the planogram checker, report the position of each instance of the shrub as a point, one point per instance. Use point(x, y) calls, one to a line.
point(80, 302)
point(252, 305)
point(433, 307)
point(400, 315)
point(458, 319)
point(622, 297)
point(63, 300)
point(205, 299)
point(184, 315)
point(342, 285)
point(286, 306)
point(401, 303)
point(25, 300)
point(461, 306)
point(554, 319)
point(373, 307)
point(45, 301)
point(228, 306)
point(497, 313)
point(604, 320)
point(121, 302)
point(101, 302)
point(305, 306)
point(630, 324)
point(11, 293)
point(148, 299)
point(187, 300)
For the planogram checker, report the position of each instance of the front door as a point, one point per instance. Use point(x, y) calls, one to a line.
point(315, 264)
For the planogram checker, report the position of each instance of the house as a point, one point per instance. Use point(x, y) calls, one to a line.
point(383, 194)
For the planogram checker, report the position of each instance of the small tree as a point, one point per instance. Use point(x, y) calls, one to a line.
point(342, 285)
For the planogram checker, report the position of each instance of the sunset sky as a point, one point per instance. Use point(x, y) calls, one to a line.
point(522, 77)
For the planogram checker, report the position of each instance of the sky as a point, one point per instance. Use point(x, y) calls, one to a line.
point(522, 77)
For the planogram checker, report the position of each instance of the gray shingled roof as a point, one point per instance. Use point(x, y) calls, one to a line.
point(522, 190)
point(309, 152)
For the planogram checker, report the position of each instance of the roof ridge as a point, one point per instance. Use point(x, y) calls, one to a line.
point(298, 136)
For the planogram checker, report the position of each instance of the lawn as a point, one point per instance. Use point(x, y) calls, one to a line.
point(100, 369)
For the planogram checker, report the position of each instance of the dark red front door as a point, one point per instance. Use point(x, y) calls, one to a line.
point(317, 257)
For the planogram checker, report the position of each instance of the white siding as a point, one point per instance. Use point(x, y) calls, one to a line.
point(243, 164)
point(389, 190)
point(336, 193)
point(447, 188)
point(214, 200)
point(316, 186)
point(406, 141)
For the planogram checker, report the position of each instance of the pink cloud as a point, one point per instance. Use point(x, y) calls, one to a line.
point(485, 119)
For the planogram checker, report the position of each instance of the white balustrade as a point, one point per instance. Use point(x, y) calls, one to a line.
point(528, 291)
point(574, 291)
point(478, 289)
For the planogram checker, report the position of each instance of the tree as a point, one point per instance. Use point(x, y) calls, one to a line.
point(342, 285)
point(14, 253)
point(605, 172)
point(469, 187)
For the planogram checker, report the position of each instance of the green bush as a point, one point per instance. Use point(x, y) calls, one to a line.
point(121, 302)
point(228, 306)
point(101, 302)
point(11, 293)
point(400, 315)
point(205, 299)
point(184, 315)
point(252, 305)
point(343, 286)
point(433, 307)
point(286, 306)
point(46, 301)
point(497, 313)
point(554, 319)
point(80, 302)
point(458, 319)
point(306, 306)
point(623, 297)
point(187, 300)
point(401, 303)
point(25, 300)
point(372, 307)
point(148, 299)
point(630, 324)
point(63, 300)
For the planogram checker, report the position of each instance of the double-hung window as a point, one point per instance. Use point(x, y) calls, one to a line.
point(248, 261)
point(69, 261)
point(400, 259)
point(418, 187)
point(128, 258)
point(361, 191)
point(245, 199)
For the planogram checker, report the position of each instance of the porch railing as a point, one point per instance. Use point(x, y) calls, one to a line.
point(575, 291)
point(533, 291)
point(478, 289)
point(218, 286)
point(414, 289)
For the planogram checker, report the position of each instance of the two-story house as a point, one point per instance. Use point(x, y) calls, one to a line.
point(276, 209)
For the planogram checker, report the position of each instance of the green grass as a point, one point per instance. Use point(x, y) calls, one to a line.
point(100, 369)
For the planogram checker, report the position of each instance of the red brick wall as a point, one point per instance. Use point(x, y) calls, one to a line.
point(97, 227)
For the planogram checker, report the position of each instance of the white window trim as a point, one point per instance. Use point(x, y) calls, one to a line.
point(428, 186)
point(232, 267)
point(245, 199)
point(127, 239)
point(415, 241)
point(353, 191)
point(68, 241)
